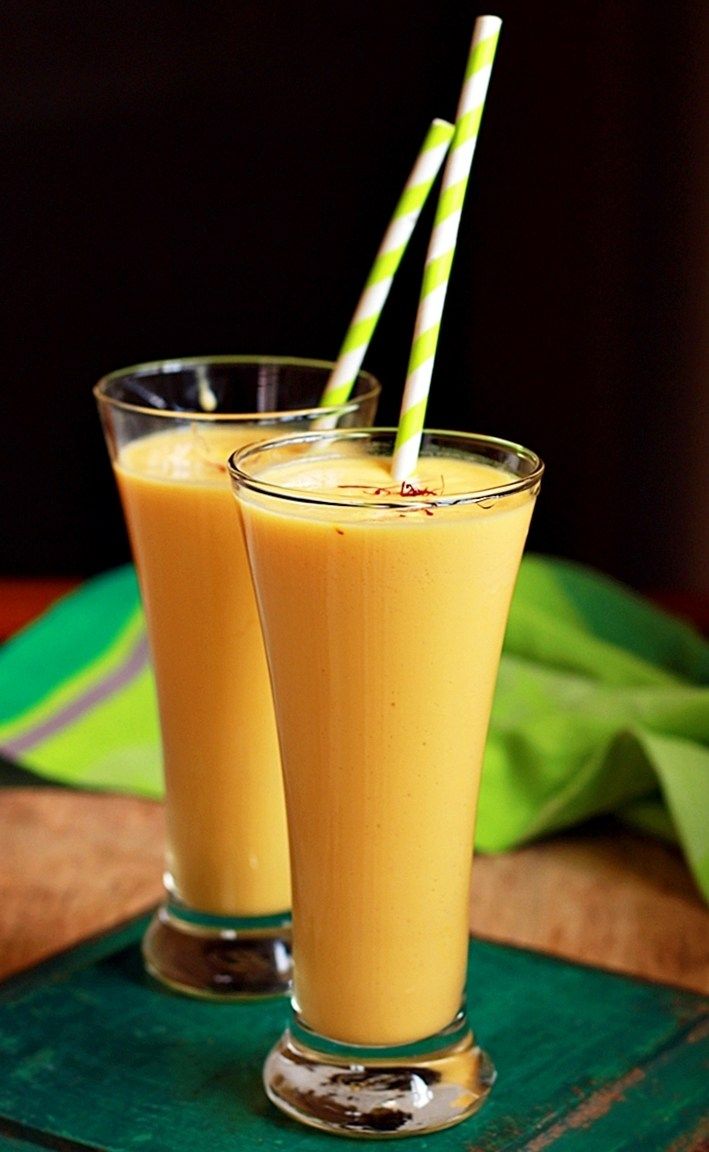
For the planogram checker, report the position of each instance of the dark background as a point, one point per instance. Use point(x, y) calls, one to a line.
point(183, 178)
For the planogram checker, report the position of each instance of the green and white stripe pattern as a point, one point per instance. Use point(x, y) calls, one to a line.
point(439, 257)
point(392, 248)
point(77, 694)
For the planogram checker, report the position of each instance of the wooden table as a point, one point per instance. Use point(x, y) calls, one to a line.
point(75, 863)
point(85, 1043)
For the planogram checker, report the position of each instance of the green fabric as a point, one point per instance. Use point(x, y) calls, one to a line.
point(602, 705)
point(77, 699)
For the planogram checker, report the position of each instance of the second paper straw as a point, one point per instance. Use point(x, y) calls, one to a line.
point(439, 257)
point(388, 258)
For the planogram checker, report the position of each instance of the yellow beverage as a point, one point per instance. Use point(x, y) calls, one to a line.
point(384, 628)
point(226, 828)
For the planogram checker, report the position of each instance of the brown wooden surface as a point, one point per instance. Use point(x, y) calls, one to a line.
point(73, 864)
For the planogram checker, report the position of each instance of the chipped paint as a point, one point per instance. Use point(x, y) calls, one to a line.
point(593, 1108)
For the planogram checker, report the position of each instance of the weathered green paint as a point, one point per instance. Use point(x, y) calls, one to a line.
point(92, 1056)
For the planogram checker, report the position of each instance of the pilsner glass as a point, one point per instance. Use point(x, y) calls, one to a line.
point(383, 607)
point(224, 929)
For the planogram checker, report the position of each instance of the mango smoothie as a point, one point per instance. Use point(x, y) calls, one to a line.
point(384, 608)
point(226, 827)
point(223, 931)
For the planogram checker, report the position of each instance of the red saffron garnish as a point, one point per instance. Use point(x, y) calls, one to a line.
point(409, 489)
point(390, 491)
point(405, 489)
point(340, 531)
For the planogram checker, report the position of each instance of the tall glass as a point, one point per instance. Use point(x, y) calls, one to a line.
point(224, 929)
point(383, 607)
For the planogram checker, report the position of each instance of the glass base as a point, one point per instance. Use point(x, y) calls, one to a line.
point(378, 1092)
point(217, 957)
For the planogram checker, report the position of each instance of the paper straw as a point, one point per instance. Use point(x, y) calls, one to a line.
point(205, 395)
point(388, 258)
point(439, 257)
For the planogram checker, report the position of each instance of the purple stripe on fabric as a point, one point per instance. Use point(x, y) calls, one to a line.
point(129, 667)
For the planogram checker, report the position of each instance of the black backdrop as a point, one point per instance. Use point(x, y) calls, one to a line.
point(183, 178)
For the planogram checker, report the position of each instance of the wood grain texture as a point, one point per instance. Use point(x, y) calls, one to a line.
point(73, 864)
point(602, 895)
point(95, 1058)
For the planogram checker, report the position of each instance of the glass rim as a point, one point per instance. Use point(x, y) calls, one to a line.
point(518, 484)
point(170, 365)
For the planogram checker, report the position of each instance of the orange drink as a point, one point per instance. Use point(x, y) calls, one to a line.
point(170, 427)
point(384, 608)
point(226, 823)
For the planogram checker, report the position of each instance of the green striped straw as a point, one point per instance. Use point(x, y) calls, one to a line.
point(439, 257)
point(391, 250)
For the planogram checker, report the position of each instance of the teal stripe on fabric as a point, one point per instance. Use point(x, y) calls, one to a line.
point(61, 643)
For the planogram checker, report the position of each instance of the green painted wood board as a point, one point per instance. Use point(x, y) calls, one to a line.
point(95, 1056)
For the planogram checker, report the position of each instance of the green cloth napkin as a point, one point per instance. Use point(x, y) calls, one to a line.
point(602, 705)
